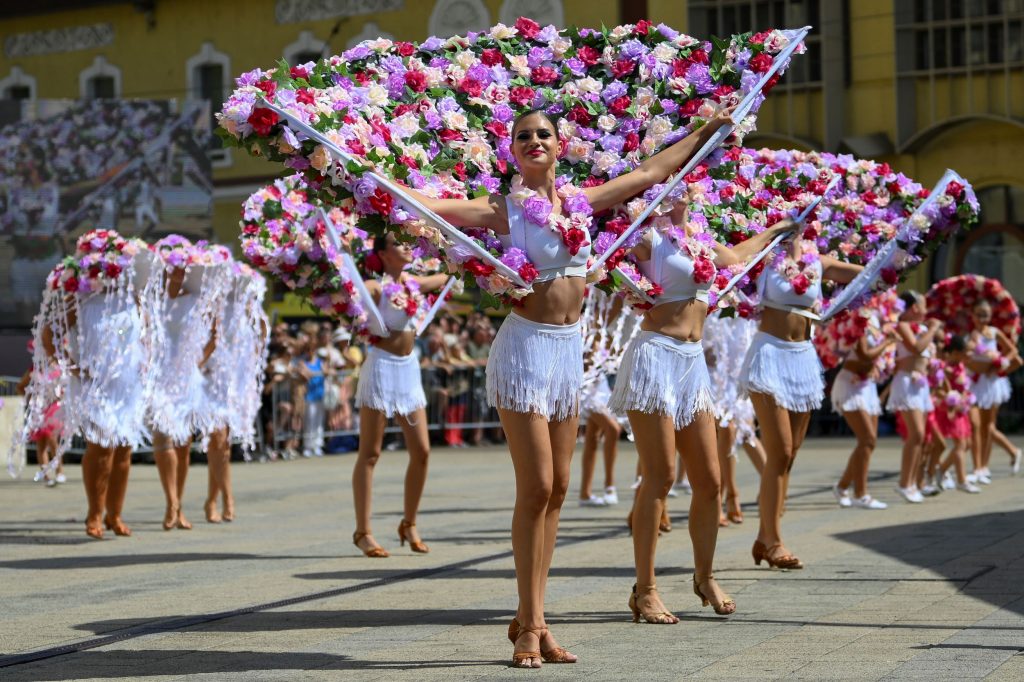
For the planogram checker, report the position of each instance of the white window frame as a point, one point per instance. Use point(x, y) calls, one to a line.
point(17, 78)
point(307, 42)
point(99, 67)
point(208, 54)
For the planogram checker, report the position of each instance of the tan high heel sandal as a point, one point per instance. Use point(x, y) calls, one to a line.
point(212, 515)
point(762, 552)
point(419, 547)
point(658, 618)
point(519, 657)
point(373, 552)
point(724, 608)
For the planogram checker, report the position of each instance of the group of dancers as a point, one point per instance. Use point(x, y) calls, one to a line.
point(139, 344)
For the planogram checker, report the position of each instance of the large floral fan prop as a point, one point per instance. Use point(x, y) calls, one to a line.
point(952, 300)
point(437, 115)
point(875, 320)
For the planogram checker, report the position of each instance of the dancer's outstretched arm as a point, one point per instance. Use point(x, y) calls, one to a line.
point(655, 169)
point(838, 271)
point(488, 211)
point(746, 250)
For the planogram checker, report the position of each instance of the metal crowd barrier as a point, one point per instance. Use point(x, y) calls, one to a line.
point(456, 401)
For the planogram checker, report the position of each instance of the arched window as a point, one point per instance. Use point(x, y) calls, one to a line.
point(308, 48)
point(207, 76)
point(18, 85)
point(100, 80)
point(993, 249)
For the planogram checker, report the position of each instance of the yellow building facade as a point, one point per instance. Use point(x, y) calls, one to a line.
point(922, 84)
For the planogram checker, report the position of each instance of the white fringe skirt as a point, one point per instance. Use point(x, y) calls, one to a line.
point(390, 383)
point(851, 393)
point(909, 391)
point(536, 367)
point(595, 398)
point(991, 390)
point(179, 409)
point(789, 371)
point(662, 375)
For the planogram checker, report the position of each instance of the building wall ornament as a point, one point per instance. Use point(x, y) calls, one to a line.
point(370, 31)
point(458, 17)
point(70, 39)
point(296, 11)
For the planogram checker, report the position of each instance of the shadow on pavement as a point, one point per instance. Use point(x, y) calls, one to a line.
point(626, 573)
point(77, 562)
point(985, 552)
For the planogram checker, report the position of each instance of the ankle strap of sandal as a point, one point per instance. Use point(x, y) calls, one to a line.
point(698, 579)
point(653, 587)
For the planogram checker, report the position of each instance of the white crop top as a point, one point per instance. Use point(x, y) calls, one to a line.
point(395, 319)
point(776, 292)
point(672, 269)
point(903, 352)
point(544, 248)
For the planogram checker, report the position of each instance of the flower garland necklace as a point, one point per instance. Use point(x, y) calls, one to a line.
point(403, 294)
point(801, 274)
point(574, 228)
point(697, 246)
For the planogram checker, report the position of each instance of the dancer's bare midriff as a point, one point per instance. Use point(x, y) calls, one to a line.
point(681, 320)
point(558, 301)
point(785, 325)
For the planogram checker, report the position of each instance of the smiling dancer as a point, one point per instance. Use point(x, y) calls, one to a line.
point(535, 369)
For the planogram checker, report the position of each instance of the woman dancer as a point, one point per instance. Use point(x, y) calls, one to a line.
point(534, 373)
point(909, 395)
point(390, 386)
point(178, 409)
point(993, 356)
point(97, 331)
point(728, 339)
point(47, 435)
point(600, 424)
point(782, 375)
point(664, 388)
point(855, 397)
point(235, 382)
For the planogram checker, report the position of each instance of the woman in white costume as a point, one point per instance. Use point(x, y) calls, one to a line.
point(664, 388)
point(783, 376)
point(909, 393)
point(535, 369)
point(178, 409)
point(92, 325)
point(993, 355)
point(727, 340)
point(235, 382)
point(389, 386)
point(855, 396)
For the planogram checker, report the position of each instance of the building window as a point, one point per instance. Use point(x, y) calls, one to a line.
point(101, 79)
point(308, 48)
point(101, 87)
point(727, 17)
point(207, 75)
point(951, 36)
point(18, 92)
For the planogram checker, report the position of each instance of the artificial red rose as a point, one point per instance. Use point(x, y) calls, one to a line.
point(71, 285)
point(850, 218)
point(954, 189)
point(528, 28)
point(522, 95)
point(262, 121)
point(697, 174)
point(869, 197)
point(460, 171)
point(691, 107)
point(408, 162)
point(405, 49)
point(380, 128)
point(923, 193)
point(112, 270)
point(632, 142)
point(592, 181)
point(574, 239)
point(543, 75)
point(528, 272)
point(298, 72)
point(656, 290)
point(679, 67)
point(492, 57)
point(771, 83)
point(723, 91)
point(588, 55)
point(699, 56)
point(744, 310)
point(737, 237)
point(411, 307)
point(810, 232)
point(362, 77)
point(94, 270)
point(756, 271)
point(890, 276)
point(703, 270)
point(471, 87)
point(304, 96)
point(759, 38)
point(884, 169)
point(580, 115)
point(403, 109)
point(268, 87)
point(800, 284)
point(449, 135)
point(373, 263)
point(497, 128)
point(478, 268)
point(619, 105)
point(381, 202)
point(502, 166)
point(417, 80)
point(761, 63)
point(617, 225)
point(758, 203)
point(356, 147)
point(643, 27)
point(623, 67)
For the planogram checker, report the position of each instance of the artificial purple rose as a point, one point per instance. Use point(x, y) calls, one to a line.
point(431, 44)
point(578, 203)
point(538, 55)
point(612, 143)
point(503, 113)
point(364, 187)
point(633, 49)
point(700, 78)
point(576, 66)
point(514, 258)
point(249, 78)
point(356, 53)
point(604, 241)
point(614, 90)
point(537, 210)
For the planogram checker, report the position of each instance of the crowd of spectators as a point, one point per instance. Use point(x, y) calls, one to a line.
point(313, 370)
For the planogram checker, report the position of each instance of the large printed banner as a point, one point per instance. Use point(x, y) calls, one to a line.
point(68, 166)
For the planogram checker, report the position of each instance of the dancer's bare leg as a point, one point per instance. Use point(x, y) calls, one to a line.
point(96, 465)
point(755, 452)
point(121, 466)
point(998, 437)
point(166, 456)
point(698, 445)
point(371, 436)
point(914, 420)
point(591, 435)
point(864, 428)
point(726, 441)
point(184, 454)
point(218, 456)
point(611, 430)
point(417, 440)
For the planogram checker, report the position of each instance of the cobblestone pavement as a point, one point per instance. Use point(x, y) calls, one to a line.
point(917, 591)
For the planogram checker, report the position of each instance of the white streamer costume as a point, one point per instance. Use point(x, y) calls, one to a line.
point(727, 341)
point(607, 329)
point(235, 369)
point(789, 371)
point(537, 367)
point(661, 374)
point(101, 342)
point(179, 407)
